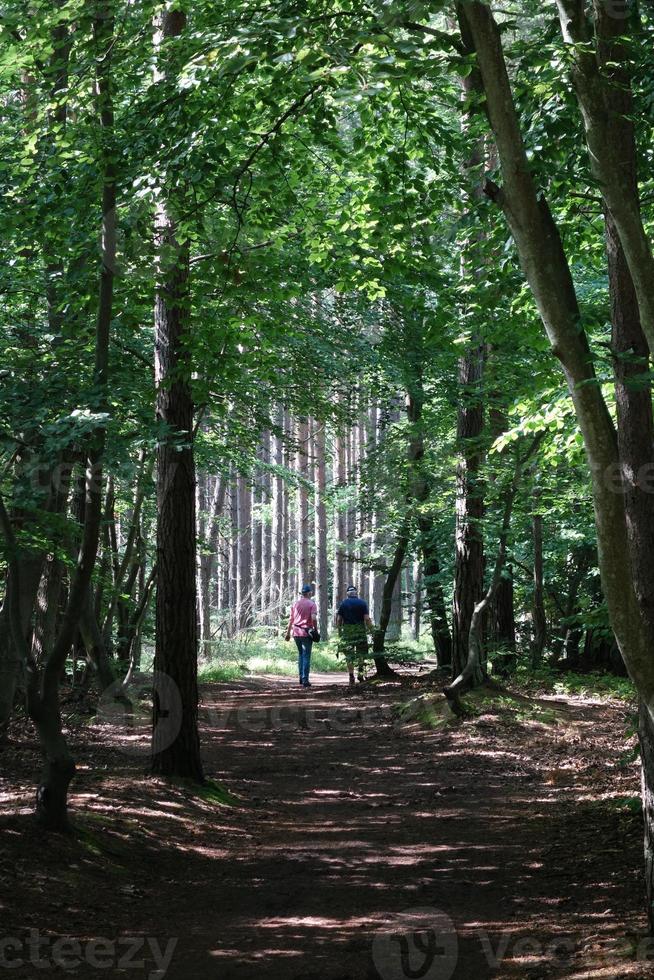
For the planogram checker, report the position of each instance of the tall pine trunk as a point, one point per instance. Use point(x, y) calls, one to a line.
point(302, 467)
point(322, 583)
point(244, 598)
point(539, 622)
point(175, 737)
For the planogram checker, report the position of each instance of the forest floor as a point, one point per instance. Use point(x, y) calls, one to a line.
point(357, 845)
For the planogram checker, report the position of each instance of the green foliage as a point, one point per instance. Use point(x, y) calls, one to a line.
point(340, 257)
point(234, 659)
point(592, 685)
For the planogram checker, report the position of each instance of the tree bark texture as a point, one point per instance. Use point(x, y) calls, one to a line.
point(175, 739)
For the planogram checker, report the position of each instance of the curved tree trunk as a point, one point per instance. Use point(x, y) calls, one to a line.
point(626, 581)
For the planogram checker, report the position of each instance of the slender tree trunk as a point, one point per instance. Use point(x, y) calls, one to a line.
point(469, 545)
point(96, 650)
point(244, 595)
point(387, 602)
point(440, 630)
point(322, 584)
point(417, 599)
point(351, 571)
point(373, 419)
point(362, 515)
point(267, 535)
point(233, 555)
point(474, 671)
point(539, 621)
point(503, 611)
point(204, 601)
point(208, 559)
point(278, 528)
point(11, 661)
point(394, 628)
point(257, 540)
point(339, 478)
point(302, 468)
point(285, 535)
point(291, 522)
point(175, 736)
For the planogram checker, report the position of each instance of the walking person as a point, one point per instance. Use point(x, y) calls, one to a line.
point(304, 617)
point(353, 622)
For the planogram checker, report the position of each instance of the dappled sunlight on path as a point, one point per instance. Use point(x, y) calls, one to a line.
point(357, 846)
point(359, 821)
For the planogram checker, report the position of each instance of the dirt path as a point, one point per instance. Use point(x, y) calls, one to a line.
point(362, 848)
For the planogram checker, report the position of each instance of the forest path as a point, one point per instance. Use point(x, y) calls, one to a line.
point(491, 848)
point(490, 840)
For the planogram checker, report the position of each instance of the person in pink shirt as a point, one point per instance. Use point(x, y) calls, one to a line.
point(304, 616)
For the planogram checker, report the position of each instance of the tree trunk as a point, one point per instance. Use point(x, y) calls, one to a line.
point(202, 586)
point(440, 629)
point(233, 556)
point(339, 525)
point(469, 544)
point(322, 568)
point(208, 559)
point(285, 536)
point(539, 622)
point(257, 540)
point(601, 74)
point(386, 606)
point(474, 671)
point(244, 530)
point(646, 737)
point(175, 736)
point(363, 531)
point(547, 272)
point(290, 519)
point(11, 661)
point(417, 600)
point(302, 468)
point(96, 650)
point(267, 531)
point(351, 572)
point(373, 576)
point(276, 591)
point(394, 628)
point(546, 269)
point(504, 623)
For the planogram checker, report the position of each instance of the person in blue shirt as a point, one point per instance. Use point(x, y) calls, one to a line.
point(353, 622)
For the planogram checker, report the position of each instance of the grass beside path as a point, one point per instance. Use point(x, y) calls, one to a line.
point(254, 654)
point(241, 656)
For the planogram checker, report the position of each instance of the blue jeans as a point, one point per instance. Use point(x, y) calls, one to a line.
point(303, 644)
